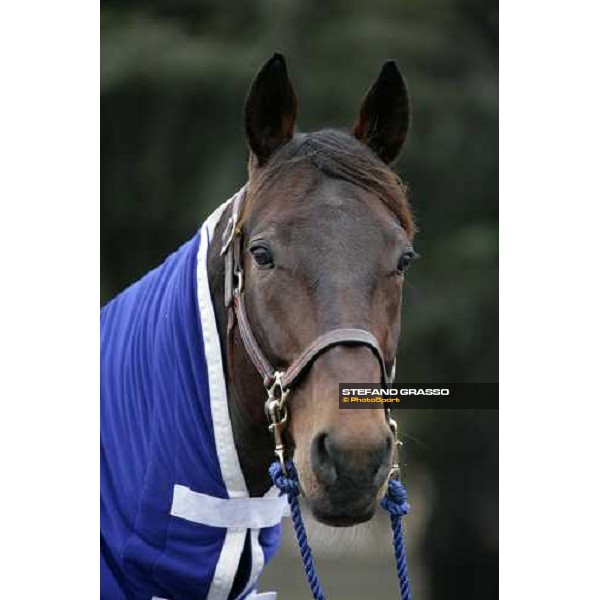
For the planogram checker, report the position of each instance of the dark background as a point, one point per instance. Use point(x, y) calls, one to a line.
point(174, 75)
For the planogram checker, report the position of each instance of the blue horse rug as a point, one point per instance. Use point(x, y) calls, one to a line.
point(177, 522)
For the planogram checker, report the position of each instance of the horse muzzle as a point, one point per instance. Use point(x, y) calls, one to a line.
point(347, 481)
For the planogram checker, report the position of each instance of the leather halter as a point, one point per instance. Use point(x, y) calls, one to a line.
point(234, 301)
point(278, 383)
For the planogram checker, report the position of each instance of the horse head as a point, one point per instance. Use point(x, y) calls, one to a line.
point(326, 237)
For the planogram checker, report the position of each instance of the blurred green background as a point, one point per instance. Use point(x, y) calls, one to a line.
point(174, 75)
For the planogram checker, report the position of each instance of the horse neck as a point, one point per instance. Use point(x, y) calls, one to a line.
point(245, 391)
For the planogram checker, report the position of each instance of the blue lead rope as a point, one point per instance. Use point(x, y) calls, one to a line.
point(395, 502)
point(289, 485)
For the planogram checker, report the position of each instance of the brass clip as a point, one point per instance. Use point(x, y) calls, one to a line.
point(276, 410)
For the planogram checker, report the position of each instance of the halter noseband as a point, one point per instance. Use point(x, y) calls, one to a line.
point(278, 383)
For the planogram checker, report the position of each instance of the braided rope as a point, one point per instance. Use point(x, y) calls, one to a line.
point(394, 502)
point(289, 485)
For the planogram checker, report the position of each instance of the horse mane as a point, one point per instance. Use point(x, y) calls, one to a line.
point(339, 155)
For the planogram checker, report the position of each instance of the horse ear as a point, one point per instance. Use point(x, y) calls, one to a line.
point(271, 108)
point(384, 114)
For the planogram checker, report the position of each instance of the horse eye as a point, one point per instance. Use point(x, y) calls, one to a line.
point(406, 260)
point(262, 256)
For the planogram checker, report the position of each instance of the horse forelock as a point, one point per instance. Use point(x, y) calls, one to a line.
point(335, 154)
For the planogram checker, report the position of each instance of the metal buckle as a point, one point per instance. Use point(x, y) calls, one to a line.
point(395, 469)
point(277, 415)
point(239, 281)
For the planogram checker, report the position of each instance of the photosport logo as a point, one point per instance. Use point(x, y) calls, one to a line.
point(416, 395)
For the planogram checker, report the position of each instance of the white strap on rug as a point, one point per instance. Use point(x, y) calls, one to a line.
point(252, 596)
point(246, 513)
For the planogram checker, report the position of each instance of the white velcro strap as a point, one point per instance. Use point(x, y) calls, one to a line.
point(253, 596)
point(243, 513)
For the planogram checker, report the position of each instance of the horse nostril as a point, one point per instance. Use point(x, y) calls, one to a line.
point(383, 470)
point(376, 462)
point(322, 460)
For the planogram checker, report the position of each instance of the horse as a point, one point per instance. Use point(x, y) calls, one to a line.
point(291, 287)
